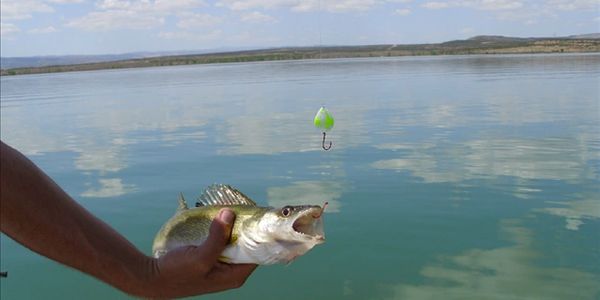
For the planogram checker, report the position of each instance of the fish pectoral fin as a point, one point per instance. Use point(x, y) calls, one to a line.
point(221, 194)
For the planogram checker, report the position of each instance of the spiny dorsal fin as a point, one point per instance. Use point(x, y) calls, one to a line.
point(220, 194)
point(182, 203)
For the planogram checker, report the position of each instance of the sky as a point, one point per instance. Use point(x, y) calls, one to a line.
point(65, 27)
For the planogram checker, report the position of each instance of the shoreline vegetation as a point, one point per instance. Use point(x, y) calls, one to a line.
point(475, 45)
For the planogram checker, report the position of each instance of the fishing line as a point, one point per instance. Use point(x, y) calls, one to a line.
point(323, 119)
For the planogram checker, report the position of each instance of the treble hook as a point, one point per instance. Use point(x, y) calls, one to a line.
point(326, 148)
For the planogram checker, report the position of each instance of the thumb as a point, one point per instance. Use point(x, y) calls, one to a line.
point(218, 237)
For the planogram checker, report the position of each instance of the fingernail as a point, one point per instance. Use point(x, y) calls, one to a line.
point(226, 216)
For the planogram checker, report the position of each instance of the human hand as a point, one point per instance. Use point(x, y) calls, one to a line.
point(194, 270)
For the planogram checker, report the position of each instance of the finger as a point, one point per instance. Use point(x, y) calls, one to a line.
point(218, 237)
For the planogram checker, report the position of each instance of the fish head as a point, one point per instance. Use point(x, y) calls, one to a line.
point(301, 224)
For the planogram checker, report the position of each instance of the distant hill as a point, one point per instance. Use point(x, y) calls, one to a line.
point(58, 60)
point(585, 36)
point(487, 44)
point(40, 61)
point(498, 38)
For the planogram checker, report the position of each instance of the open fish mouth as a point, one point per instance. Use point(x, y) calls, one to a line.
point(310, 223)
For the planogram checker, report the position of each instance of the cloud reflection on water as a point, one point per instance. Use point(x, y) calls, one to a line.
point(272, 132)
point(103, 160)
point(101, 139)
point(309, 193)
point(550, 158)
point(575, 211)
point(109, 187)
point(501, 273)
point(267, 134)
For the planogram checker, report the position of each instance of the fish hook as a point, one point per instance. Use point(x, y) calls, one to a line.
point(326, 148)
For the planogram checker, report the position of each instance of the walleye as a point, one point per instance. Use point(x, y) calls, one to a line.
point(260, 235)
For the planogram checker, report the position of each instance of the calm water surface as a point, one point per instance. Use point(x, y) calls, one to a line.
point(463, 177)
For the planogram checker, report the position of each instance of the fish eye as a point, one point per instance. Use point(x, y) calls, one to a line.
point(287, 211)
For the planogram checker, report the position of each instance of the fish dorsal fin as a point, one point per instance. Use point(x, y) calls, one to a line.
point(182, 203)
point(221, 194)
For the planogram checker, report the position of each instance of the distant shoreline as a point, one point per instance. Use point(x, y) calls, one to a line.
point(476, 45)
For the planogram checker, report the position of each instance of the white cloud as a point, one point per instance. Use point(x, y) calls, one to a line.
point(65, 1)
point(349, 5)
point(527, 12)
point(402, 12)
point(475, 4)
point(494, 4)
point(22, 9)
point(190, 36)
point(251, 4)
point(43, 30)
point(195, 21)
point(435, 5)
point(140, 14)
point(257, 17)
point(117, 19)
point(114, 4)
point(574, 4)
point(161, 7)
point(300, 5)
point(522, 7)
point(7, 29)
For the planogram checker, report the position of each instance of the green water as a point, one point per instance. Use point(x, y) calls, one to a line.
point(462, 177)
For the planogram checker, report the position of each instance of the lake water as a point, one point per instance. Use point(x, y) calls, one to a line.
point(450, 177)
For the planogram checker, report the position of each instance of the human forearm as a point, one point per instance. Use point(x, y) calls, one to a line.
point(36, 212)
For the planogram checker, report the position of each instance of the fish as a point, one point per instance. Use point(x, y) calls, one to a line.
point(260, 235)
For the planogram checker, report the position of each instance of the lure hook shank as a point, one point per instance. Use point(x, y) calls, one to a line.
point(330, 144)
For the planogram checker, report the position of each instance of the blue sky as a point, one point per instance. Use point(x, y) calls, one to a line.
point(57, 27)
